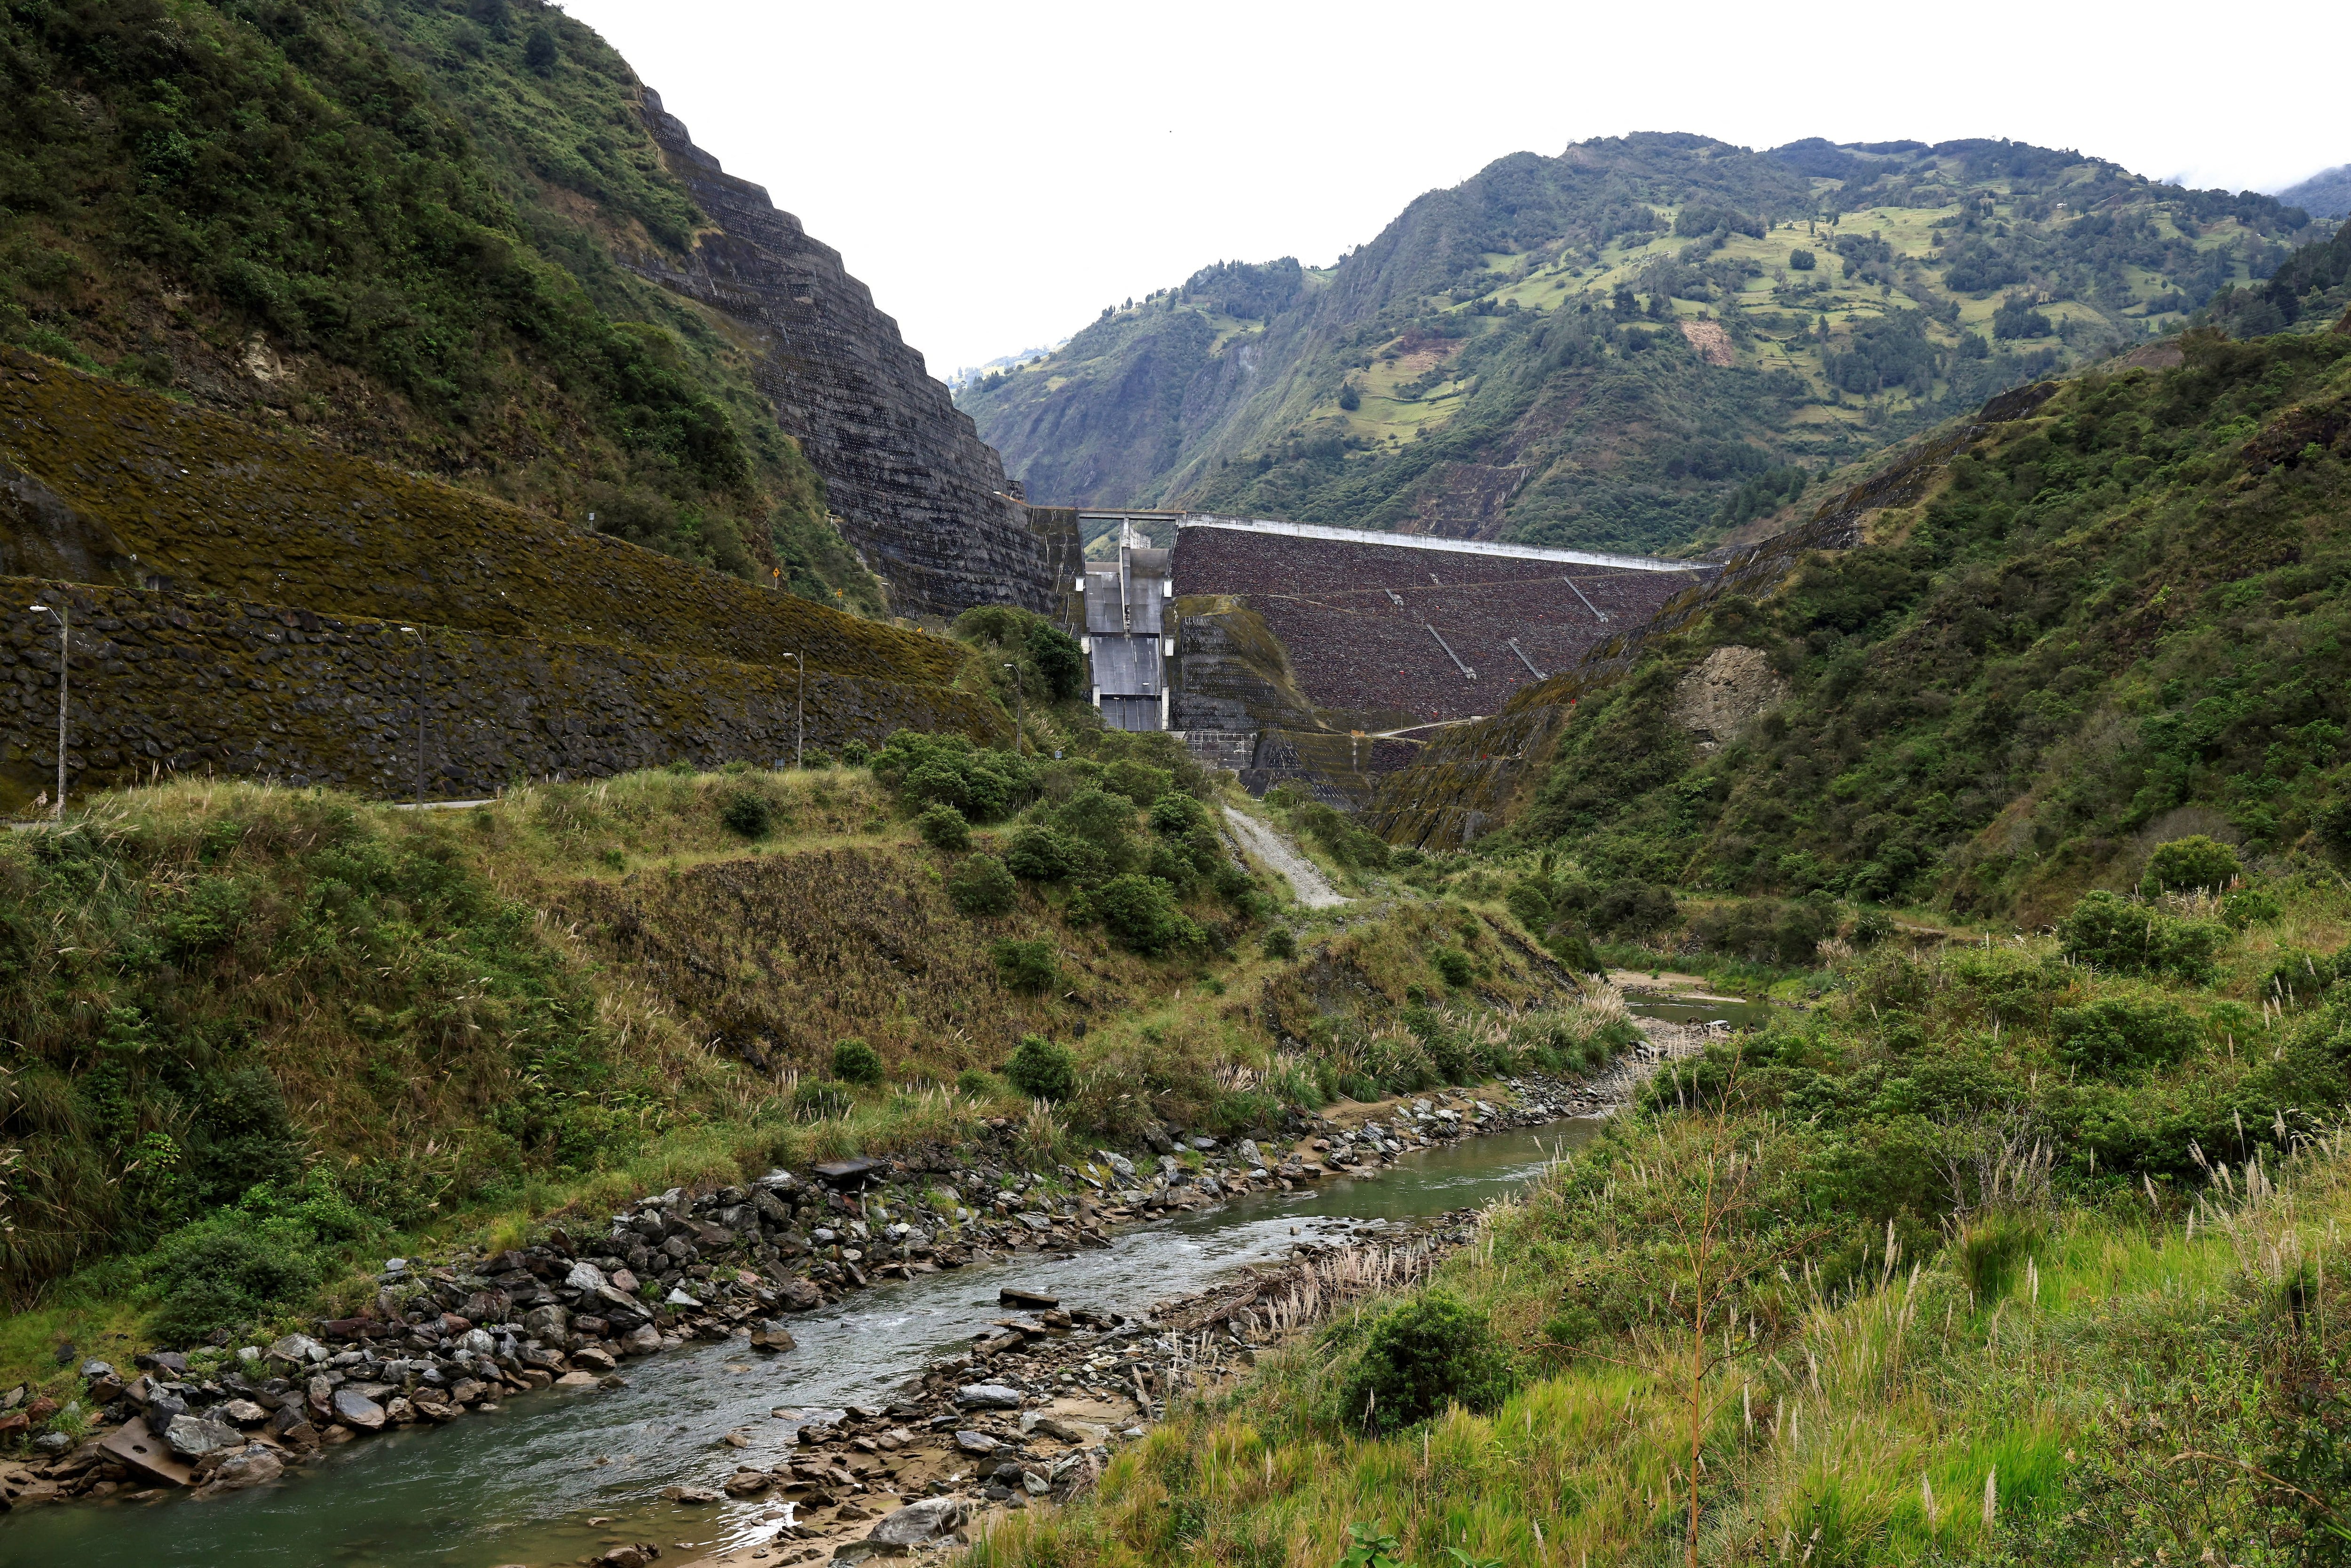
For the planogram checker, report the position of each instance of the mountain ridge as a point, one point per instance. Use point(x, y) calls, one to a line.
point(1540, 351)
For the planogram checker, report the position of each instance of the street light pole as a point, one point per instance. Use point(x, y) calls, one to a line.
point(64, 612)
point(800, 706)
point(424, 674)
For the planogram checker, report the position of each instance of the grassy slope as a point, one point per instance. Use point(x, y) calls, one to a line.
point(378, 222)
point(2070, 1336)
point(2118, 622)
point(402, 1026)
point(1479, 329)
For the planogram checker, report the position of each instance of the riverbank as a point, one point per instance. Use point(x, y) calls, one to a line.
point(460, 1337)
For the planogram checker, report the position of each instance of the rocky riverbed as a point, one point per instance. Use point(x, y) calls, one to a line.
point(450, 1337)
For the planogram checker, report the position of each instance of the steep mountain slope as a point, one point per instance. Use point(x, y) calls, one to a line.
point(2115, 619)
point(437, 235)
point(2326, 195)
point(1630, 345)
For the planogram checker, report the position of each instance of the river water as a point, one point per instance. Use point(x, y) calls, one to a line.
point(520, 1484)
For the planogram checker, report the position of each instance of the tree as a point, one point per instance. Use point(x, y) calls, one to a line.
point(2196, 863)
point(1059, 660)
point(1801, 261)
point(538, 50)
point(1349, 398)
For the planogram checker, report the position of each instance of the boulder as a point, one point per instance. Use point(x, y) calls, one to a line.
point(798, 1296)
point(1034, 1300)
point(773, 1336)
point(987, 1397)
point(356, 1410)
point(585, 1277)
point(690, 1494)
point(243, 1413)
point(191, 1437)
point(548, 1323)
point(251, 1465)
point(642, 1340)
point(975, 1442)
point(594, 1357)
point(642, 1554)
point(919, 1523)
point(295, 1350)
point(575, 1380)
point(748, 1483)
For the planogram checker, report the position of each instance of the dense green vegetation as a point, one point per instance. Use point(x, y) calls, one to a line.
point(1507, 351)
point(1983, 1259)
point(2119, 621)
point(392, 222)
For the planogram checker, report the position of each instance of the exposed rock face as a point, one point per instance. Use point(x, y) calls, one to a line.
point(920, 496)
point(1728, 691)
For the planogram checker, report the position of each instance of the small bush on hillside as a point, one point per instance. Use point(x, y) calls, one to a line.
point(2195, 864)
point(225, 1275)
point(1573, 950)
point(1530, 903)
point(1138, 781)
point(2109, 930)
point(2115, 1035)
point(1278, 943)
point(1024, 965)
point(1767, 930)
point(981, 886)
point(944, 828)
point(1348, 844)
point(855, 754)
point(855, 1062)
point(1175, 814)
point(1419, 1357)
point(979, 1085)
point(1101, 819)
point(2249, 906)
point(1452, 966)
point(1042, 1069)
point(1871, 926)
point(2298, 976)
point(748, 813)
point(1140, 913)
point(1059, 660)
point(930, 768)
point(1039, 853)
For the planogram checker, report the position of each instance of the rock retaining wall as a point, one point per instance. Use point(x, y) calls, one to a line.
point(161, 682)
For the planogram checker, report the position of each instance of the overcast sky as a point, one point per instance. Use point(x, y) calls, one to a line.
point(998, 173)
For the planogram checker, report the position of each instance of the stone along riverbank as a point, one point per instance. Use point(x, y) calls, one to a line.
point(463, 1338)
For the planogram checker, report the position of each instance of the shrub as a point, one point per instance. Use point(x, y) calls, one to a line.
point(944, 828)
point(1024, 965)
point(1279, 943)
point(1040, 854)
point(1138, 781)
point(1337, 832)
point(979, 1085)
point(1140, 913)
point(1042, 1069)
point(1103, 820)
point(2249, 906)
point(1801, 261)
point(2115, 1035)
point(1175, 814)
point(1420, 1356)
point(1573, 949)
point(819, 1098)
point(855, 1062)
point(2190, 865)
point(2299, 976)
point(930, 768)
point(1452, 966)
point(1767, 930)
point(981, 886)
point(232, 1270)
point(2109, 929)
point(1872, 926)
point(748, 813)
point(1528, 904)
point(1059, 658)
point(855, 754)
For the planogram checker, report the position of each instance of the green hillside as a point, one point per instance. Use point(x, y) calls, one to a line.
point(391, 225)
point(2010, 1238)
point(1640, 343)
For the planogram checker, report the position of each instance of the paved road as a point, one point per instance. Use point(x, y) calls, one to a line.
point(1314, 891)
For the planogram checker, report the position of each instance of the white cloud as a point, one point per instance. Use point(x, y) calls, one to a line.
point(997, 174)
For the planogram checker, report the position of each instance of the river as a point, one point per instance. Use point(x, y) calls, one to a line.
point(518, 1484)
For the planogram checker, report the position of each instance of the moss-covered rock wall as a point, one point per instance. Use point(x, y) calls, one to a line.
point(163, 682)
point(147, 489)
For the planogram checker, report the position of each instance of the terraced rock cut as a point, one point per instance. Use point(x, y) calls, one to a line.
point(258, 606)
